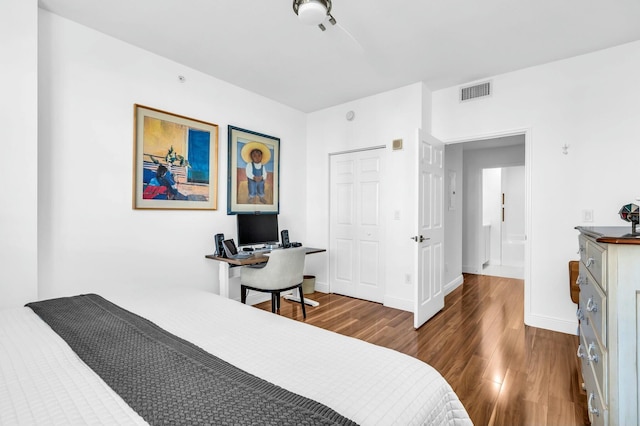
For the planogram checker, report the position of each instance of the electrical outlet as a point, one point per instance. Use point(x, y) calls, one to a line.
point(587, 215)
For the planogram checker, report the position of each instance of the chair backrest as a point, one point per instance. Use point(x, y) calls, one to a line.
point(285, 268)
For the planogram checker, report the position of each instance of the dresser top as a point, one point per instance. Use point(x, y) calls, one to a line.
point(611, 234)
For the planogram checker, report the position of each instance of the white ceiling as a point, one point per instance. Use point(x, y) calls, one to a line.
point(377, 45)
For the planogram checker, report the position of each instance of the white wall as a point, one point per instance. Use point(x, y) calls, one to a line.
point(88, 84)
point(90, 237)
point(378, 121)
point(19, 136)
point(589, 102)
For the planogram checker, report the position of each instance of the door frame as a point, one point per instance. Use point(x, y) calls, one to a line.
point(528, 160)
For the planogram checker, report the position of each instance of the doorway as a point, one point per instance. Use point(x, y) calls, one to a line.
point(503, 221)
point(465, 222)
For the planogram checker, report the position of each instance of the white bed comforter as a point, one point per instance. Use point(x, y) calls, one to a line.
point(42, 381)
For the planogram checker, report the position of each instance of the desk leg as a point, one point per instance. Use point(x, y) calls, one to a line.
point(223, 275)
point(295, 297)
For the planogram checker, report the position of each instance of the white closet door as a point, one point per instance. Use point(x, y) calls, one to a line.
point(356, 250)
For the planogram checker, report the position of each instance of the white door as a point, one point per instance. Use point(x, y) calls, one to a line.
point(356, 267)
point(513, 212)
point(429, 237)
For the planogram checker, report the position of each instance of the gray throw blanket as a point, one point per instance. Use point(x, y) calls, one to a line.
point(168, 380)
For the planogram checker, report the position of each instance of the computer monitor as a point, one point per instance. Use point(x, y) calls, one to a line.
point(257, 229)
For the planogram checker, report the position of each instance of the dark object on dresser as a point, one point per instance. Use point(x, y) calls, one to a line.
point(629, 213)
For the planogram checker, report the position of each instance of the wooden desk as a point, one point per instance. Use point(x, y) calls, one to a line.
point(258, 257)
point(227, 264)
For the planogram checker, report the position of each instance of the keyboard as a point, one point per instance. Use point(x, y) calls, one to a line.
point(241, 255)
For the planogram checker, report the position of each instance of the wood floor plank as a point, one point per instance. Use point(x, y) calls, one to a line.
point(536, 415)
point(481, 406)
point(538, 369)
point(504, 372)
point(561, 412)
point(467, 384)
point(510, 407)
point(502, 356)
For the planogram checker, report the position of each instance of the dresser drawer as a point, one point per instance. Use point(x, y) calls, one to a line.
point(594, 356)
point(593, 304)
point(598, 412)
point(582, 248)
point(595, 262)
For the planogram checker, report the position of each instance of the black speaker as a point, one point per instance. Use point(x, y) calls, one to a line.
point(219, 238)
point(285, 238)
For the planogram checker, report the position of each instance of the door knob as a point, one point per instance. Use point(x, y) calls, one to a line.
point(419, 239)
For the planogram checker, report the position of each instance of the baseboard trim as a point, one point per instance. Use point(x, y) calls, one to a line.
point(553, 324)
point(466, 269)
point(322, 287)
point(453, 284)
point(402, 304)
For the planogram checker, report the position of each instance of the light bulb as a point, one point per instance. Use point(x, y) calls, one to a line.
point(312, 13)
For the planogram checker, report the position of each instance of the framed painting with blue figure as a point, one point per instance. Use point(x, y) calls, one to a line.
point(175, 161)
point(254, 172)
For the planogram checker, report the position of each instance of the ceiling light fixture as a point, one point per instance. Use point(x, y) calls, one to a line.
point(314, 12)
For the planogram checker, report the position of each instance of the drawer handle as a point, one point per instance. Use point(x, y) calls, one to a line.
point(580, 249)
point(579, 314)
point(580, 353)
point(581, 280)
point(592, 409)
point(593, 357)
point(590, 262)
point(591, 305)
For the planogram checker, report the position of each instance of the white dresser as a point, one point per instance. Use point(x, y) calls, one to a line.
point(609, 314)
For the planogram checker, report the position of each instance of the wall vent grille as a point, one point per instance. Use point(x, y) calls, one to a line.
point(476, 91)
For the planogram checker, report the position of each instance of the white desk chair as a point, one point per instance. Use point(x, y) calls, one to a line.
point(283, 271)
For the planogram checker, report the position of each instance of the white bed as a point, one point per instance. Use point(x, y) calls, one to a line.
point(42, 381)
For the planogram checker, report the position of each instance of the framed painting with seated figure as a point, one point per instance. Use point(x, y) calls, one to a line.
point(254, 172)
point(175, 161)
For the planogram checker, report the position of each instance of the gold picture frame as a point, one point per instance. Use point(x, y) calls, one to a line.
point(175, 161)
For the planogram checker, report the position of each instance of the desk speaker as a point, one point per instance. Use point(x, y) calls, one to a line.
point(219, 238)
point(285, 238)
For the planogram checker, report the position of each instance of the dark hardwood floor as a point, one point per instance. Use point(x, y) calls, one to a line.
point(504, 372)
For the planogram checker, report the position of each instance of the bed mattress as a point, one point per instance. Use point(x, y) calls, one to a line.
point(42, 381)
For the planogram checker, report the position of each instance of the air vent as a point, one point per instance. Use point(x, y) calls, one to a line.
point(476, 91)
